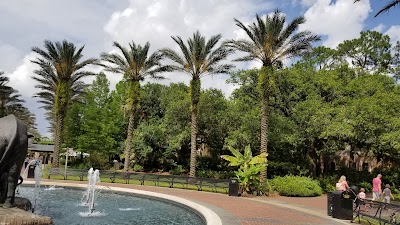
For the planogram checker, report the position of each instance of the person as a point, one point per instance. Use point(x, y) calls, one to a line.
point(361, 195)
point(387, 194)
point(376, 187)
point(26, 162)
point(342, 185)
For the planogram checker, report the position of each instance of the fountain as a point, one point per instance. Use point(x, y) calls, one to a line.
point(90, 195)
point(38, 176)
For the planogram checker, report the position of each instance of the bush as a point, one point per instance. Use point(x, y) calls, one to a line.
point(296, 186)
point(327, 183)
point(137, 168)
point(262, 189)
point(178, 170)
point(366, 185)
point(98, 161)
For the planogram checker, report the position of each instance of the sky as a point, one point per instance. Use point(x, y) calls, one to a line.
point(97, 24)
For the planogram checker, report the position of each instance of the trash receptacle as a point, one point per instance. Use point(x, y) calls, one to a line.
point(31, 171)
point(329, 200)
point(233, 187)
point(342, 205)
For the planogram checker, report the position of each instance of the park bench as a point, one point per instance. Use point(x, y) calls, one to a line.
point(126, 176)
point(75, 172)
point(376, 211)
point(212, 183)
point(56, 171)
point(70, 173)
point(182, 180)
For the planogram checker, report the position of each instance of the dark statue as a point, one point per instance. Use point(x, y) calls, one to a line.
point(13, 150)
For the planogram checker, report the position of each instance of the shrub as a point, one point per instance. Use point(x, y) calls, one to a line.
point(296, 186)
point(327, 183)
point(178, 170)
point(366, 185)
point(138, 168)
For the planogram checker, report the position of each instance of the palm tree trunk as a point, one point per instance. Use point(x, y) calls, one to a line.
point(264, 89)
point(264, 131)
point(128, 145)
point(193, 142)
point(57, 140)
point(195, 97)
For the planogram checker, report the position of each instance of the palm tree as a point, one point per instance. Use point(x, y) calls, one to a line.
point(10, 100)
point(386, 8)
point(11, 103)
point(270, 43)
point(198, 59)
point(59, 77)
point(135, 65)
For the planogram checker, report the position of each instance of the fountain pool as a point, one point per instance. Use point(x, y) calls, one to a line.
point(65, 208)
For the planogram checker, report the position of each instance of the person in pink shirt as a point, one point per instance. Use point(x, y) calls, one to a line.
point(376, 187)
point(342, 184)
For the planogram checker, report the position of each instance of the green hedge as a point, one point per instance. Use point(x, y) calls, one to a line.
point(290, 185)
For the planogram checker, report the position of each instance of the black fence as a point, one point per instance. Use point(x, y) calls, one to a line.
point(376, 212)
point(347, 206)
point(172, 181)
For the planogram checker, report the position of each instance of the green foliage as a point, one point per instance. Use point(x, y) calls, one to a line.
point(328, 183)
point(98, 161)
point(137, 168)
point(296, 186)
point(178, 170)
point(366, 185)
point(249, 167)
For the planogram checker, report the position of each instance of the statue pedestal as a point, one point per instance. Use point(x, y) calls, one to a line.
point(19, 216)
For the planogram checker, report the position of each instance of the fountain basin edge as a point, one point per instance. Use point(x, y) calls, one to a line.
point(207, 214)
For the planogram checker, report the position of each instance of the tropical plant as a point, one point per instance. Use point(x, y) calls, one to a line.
point(136, 65)
point(59, 76)
point(198, 59)
point(271, 42)
point(250, 167)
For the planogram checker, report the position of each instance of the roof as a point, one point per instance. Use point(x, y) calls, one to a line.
point(41, 148)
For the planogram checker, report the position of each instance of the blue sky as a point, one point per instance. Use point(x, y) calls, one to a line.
point(96, 24)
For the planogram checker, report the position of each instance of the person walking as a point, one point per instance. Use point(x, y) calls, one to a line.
point(387, 194)
point(376, 187)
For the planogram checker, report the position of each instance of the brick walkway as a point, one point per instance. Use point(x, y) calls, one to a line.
point(250, 211)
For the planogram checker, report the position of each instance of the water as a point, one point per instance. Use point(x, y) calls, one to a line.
point(90, 195)
point(62, 205)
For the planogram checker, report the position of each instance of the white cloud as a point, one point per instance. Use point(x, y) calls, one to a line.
point(156, 21)
point(338, 21)
point(305, 3)
point(394, 33)
point(20, 78)
point(379, 28)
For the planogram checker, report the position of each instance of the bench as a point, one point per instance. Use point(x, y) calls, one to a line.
point(126, 176)
point(78, 173)
point(56, 171)
point(182, 180)
point(212, 183)
point(385, 213)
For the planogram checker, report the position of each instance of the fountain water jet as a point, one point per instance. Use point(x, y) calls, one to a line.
point(90, 195)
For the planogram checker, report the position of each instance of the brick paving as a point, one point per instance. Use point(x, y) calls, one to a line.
point(250, 211)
